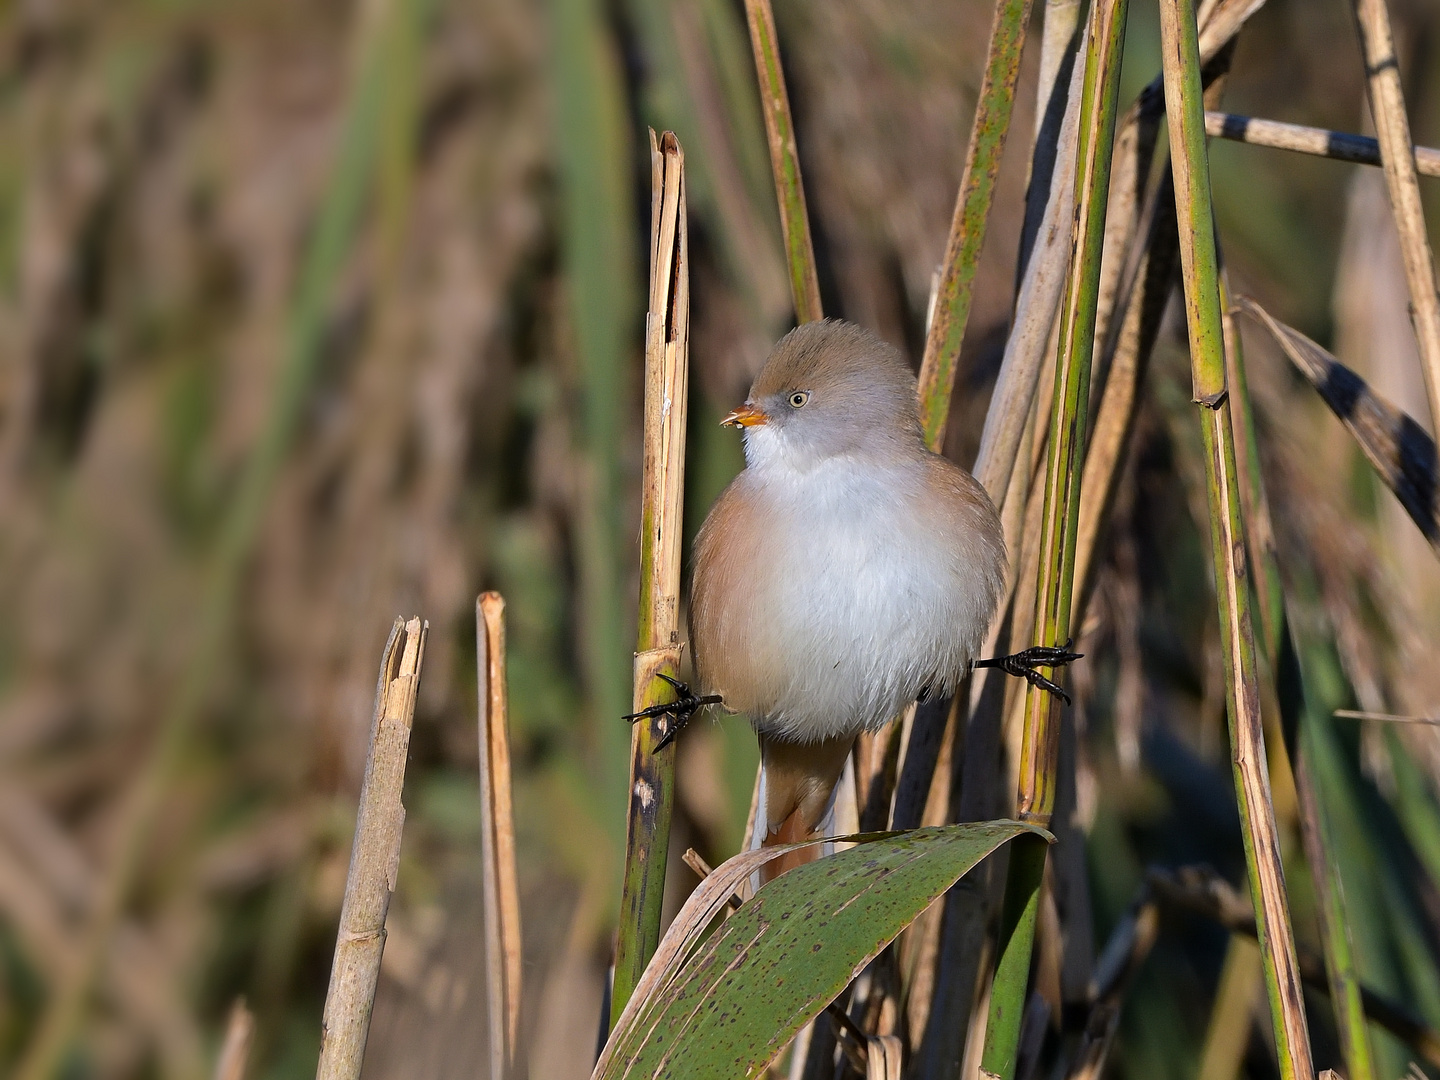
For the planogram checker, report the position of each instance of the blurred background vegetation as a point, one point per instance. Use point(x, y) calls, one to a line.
point(316, 314)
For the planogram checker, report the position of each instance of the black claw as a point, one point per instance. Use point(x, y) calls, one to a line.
point(680, 710)
point(1022, 665)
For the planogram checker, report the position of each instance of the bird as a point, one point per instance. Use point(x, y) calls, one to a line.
point(844, 573)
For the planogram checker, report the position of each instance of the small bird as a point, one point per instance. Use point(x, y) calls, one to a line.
point(844, 573)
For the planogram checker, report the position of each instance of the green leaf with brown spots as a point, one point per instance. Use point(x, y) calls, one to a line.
point(725, 1005)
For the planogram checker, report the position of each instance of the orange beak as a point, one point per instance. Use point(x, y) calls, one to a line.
point(745, 416)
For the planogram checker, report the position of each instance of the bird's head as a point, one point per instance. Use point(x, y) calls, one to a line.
point(829, 389)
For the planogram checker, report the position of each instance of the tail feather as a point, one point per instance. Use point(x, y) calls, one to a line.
point(796, 800)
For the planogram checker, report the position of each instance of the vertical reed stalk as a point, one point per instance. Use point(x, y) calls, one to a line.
point(657, 640)
point(1059, 524)
point(784, 162)
point(1185, 110)
point(1392, 128)
point(1315, 828)
point(972, 212)
point(497, 839)
point(374, 858)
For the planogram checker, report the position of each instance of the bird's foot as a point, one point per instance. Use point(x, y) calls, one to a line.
point(677, 712)
point(1023, 665)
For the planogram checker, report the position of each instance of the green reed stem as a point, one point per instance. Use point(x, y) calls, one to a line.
point(1185, 109)
point(784, 163)
point(1059, 524)
point(972, 212)
point(1316, 829)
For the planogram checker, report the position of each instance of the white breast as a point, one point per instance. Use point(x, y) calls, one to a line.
point(870, 591)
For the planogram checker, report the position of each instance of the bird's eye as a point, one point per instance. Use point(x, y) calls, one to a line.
point(799, 398)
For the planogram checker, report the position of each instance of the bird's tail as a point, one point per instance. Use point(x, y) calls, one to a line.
point(797, 797)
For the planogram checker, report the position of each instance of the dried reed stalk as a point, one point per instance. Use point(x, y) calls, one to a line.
point(1041, 288)
point(234, 1056)
point(497, 839)
point(784, 162)
point(1318, 142)
point(657, 645)
point(1199, 262)
point(972, 212)
point(1387, 104)
point(1038, 756)
point(374, 858)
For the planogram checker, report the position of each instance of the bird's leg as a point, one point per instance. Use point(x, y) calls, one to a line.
point(1023, 664)
point(679, 711)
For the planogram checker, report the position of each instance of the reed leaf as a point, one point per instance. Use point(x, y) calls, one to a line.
point(1199, 263)
point(1059, 524)
point(727, 1005)
point(593, 151)
point(657, 639)
point(1397, 447)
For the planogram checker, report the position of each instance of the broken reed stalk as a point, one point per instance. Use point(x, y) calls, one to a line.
point(1392, 128)
point(1038, 756)
point(1315, 832)
point(497, 839)
point(657, 639)
point(1190, 169)
point(234, 1057)
point(374, 858)
point(972, 212)
point(1318, 142)
point(784, 162)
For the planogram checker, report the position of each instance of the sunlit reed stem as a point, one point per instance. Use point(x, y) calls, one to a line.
point(657, 642)
point(1059, 525)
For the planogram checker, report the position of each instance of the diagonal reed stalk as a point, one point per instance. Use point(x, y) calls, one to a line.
point(972, 212)
point(1392, 127)
point(497, 839)
point(374, 858)
point(1199, 263)
point(784, 163)
point(1059, 525)
point(657, 639)
point(1318, 142)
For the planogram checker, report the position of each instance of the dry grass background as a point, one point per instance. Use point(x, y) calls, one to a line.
point(162, 165)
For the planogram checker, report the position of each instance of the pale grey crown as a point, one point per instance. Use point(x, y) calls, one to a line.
point(833, 388)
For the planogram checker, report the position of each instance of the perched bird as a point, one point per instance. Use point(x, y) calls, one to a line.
point(845, 572)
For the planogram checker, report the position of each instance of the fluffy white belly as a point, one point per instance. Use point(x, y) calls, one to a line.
point(864, 599)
